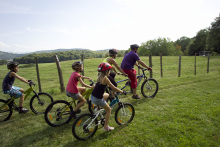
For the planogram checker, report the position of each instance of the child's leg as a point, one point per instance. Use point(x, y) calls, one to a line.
point(21, 101)
point(107, 115)
point(105, 96)
point(81, 90)
point(81, 103)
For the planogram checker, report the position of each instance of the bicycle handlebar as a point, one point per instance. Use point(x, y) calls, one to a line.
point(149, 68)
point(31, 83)
point(91, 83)
point(124, 93)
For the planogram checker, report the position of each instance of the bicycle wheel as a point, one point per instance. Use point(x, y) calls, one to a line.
point(6, 111)
point(38, 104)
point(84, 126)
point(58, 113)
point(124, 113)
point(92, 107)
point(149, 88)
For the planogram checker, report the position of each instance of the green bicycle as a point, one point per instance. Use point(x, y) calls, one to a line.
point(60, 112)
point(38, 103)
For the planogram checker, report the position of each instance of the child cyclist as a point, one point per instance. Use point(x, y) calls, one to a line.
point(72, 90)
point(111, 60)
point(98, 92)
point(8, 88)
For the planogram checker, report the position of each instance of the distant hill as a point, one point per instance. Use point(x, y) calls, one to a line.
point(58, 50)
point(9, 56)
point(47, 56)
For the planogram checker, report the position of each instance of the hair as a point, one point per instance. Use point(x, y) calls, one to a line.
point(77, 67)
point(101, 76)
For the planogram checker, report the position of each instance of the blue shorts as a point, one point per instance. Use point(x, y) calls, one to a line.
point(72, 95)
point(99, 102)
point(14, 92)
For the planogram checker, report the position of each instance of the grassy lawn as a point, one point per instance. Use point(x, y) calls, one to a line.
point(185, 111)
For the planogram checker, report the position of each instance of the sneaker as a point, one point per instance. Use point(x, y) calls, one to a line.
point(136, 97)
point(109, 128)
point(74, 115)
point(23, 110)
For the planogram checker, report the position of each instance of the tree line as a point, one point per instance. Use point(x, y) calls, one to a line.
point(207, 39)
point(63, 56)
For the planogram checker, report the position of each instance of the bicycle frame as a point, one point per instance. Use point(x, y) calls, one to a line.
point(86, 95)
point(27, 93)
point(139, 78)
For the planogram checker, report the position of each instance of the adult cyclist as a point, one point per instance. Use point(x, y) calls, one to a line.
point(127, 65)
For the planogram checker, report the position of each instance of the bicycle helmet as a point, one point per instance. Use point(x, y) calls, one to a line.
point(113, 51)
point(76, 64)
point(104, 66)
point(11, 65)
point(134, 46)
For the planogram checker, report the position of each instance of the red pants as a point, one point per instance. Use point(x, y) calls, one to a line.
point(132, 76)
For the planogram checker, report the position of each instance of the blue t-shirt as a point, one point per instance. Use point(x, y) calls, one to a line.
point(129, 60)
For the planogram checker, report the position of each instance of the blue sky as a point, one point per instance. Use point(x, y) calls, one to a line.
point(33, 25)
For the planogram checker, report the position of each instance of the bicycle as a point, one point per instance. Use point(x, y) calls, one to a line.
point(60, 112)
point(149, 87)
point(38, 103)
point(86, 125)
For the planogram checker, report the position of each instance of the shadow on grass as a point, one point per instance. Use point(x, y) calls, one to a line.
point(99, 137)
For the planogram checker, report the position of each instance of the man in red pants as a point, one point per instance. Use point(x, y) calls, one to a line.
point(127, 66)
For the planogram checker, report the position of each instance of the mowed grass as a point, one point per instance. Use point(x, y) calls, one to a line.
point(185, 112)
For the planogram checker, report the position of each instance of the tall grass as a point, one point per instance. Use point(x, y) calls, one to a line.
point(185, 112)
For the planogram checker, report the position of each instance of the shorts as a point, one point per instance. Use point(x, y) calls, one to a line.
point(98, 102)
point(72, 95)
point(14, 92)
point(132, 76)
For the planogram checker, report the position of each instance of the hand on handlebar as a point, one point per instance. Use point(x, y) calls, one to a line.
point(31, 83)
point(149, 68)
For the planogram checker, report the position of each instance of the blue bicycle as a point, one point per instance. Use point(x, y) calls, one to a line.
point(149, 87)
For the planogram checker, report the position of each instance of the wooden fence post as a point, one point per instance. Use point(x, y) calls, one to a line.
point(82, 59)
point(195, 65)
point(161, 66)
point(208, 65)
point(179, 71)
point(38, 75)
point(150, 65)
point(62, 88)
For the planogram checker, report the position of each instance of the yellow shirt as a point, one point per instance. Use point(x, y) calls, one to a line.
point(105, 60)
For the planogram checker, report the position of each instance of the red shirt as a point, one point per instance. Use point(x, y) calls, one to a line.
point(72, 84)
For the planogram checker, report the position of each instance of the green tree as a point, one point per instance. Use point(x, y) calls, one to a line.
point(183, 42)
point(159, 46)
point(199, 42)
point(3, 62)
point(214, 36)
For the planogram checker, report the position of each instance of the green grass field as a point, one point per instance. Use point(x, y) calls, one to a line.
point(185, 111)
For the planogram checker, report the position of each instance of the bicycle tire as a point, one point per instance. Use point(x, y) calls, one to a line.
point(5, 112)
point(124, 113)
point(58, 113)
point(39, 106)
point(149, 88)
point(79, 128)
point(92, 107)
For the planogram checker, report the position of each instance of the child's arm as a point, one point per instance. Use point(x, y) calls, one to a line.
point(108, 82)
point(13, 74)
point(84, 84)
point(84, 77)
